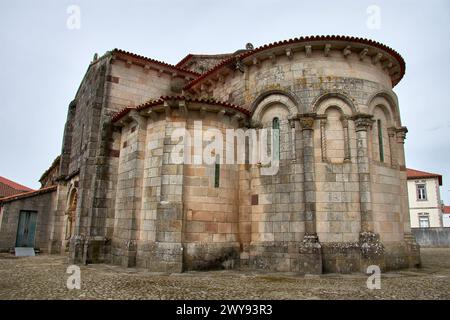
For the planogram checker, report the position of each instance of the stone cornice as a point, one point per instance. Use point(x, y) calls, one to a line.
point(367, 50)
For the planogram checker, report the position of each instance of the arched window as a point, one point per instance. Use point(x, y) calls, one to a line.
point(381, 148)
point(276, 138)
point(380, 140)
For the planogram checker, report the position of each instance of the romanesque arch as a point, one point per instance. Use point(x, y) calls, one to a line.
point(333, 111)
point(389, 102)
point(270, 98)
point(340, 99)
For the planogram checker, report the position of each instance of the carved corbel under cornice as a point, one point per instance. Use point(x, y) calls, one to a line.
point(377, 58)
point(220, 115)
point(167, 109)
point(347, 51)
point(273, 58)
point(289, 53)
point(308, 51)
point(363, 53)
point(327, 49)
point(149, 113)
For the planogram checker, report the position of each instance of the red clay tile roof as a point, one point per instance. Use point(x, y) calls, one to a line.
point(185, 59)
point(246, 54)
point(446, 209)
point(28, 194)
point(161, 100)
point(416, 174)
point(9, 188)
point(139, 57)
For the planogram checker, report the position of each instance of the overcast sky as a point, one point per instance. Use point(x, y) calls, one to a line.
point(42, 60)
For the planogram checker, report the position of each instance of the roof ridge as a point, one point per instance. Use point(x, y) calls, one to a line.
point(138, 56)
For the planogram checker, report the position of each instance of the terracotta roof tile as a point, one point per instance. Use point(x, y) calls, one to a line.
point(165, 64)
point(28, 194)
point(416, 174)
point(9, 188)
point(246, 54)
point(161, 100)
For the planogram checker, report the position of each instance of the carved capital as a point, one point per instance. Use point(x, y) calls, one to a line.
point(363, 122)
point(401, 134)
point(391, 132)
point(255, 124)
point(307, 121)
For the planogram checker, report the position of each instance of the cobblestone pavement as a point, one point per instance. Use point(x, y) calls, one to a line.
point(44, 277)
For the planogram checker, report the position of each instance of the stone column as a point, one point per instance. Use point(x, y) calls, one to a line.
point(347, 154)
point(413, 249)
point(307, 127)
point(404, 204)
point(363, 123)
point(392, 146)
point(323, 139)
point(310, 250)
point(371, 249)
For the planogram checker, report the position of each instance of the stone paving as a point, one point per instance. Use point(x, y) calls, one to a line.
point(44, 277)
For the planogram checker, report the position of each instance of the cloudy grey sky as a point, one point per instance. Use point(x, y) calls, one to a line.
point(42, 61)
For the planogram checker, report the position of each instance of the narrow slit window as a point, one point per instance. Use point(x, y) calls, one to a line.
point(217, 172)
point(276, 138)
point(380, 140)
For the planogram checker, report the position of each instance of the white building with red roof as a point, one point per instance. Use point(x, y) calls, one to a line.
point(425, 204)
point(446, 217)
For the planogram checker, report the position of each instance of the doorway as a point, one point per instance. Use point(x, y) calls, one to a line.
point(26, 229)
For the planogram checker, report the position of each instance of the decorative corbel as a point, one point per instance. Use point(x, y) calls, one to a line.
point(387, 65)
point(327, 49)
point(220, 115)
point(273, 58)
point(202, 112)
point(289, 53)
point(308, 51)
point(183, 107)
point(167, 109)
point(347, 51)
point(377, 58)
point(363, 53)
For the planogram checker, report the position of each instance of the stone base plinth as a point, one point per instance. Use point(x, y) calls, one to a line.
point(303, 257)
point(210, 256)
point(85, 250)
point(160, 256)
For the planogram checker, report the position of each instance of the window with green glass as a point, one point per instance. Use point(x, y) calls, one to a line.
point(217, 172)
point(380, 140)
point(276, 138)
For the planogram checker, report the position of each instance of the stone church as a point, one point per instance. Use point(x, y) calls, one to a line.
point(337, 203)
